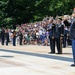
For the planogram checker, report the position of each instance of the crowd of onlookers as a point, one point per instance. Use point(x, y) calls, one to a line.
point(35, 33)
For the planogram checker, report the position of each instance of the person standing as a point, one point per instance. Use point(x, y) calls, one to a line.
point(7, 37)
point(2, 36)
point(59, 33)
point(52, 41)
point(20, 37)
point(14, 38)
point(53, 37)
point(65, 37)
point(72, 36)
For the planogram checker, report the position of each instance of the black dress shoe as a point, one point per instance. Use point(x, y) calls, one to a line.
point(51, 52)
point(14, 45)
point(58, 53)
point(73, 65)
point(64, 46)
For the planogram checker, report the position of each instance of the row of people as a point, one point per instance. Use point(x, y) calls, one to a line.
point(5, 37)
point(38, 33)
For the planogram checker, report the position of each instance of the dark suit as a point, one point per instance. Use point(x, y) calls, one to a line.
point(52, 41)
point(53, 37)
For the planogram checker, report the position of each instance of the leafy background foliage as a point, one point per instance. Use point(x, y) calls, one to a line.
point(24, 11)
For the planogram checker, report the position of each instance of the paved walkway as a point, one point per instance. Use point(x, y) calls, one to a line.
point(34, 60)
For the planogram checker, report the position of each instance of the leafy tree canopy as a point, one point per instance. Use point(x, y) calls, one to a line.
point(23, 11)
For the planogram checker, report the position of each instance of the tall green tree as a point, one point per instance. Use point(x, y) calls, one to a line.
point(23, 11)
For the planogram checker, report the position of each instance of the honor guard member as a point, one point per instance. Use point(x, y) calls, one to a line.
point(51, 36)
point(59, 33)
point(2, 36)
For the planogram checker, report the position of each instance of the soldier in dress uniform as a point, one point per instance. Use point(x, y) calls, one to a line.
point(59, 33)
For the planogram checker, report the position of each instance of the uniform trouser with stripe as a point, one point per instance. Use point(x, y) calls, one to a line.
point(58, 44)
